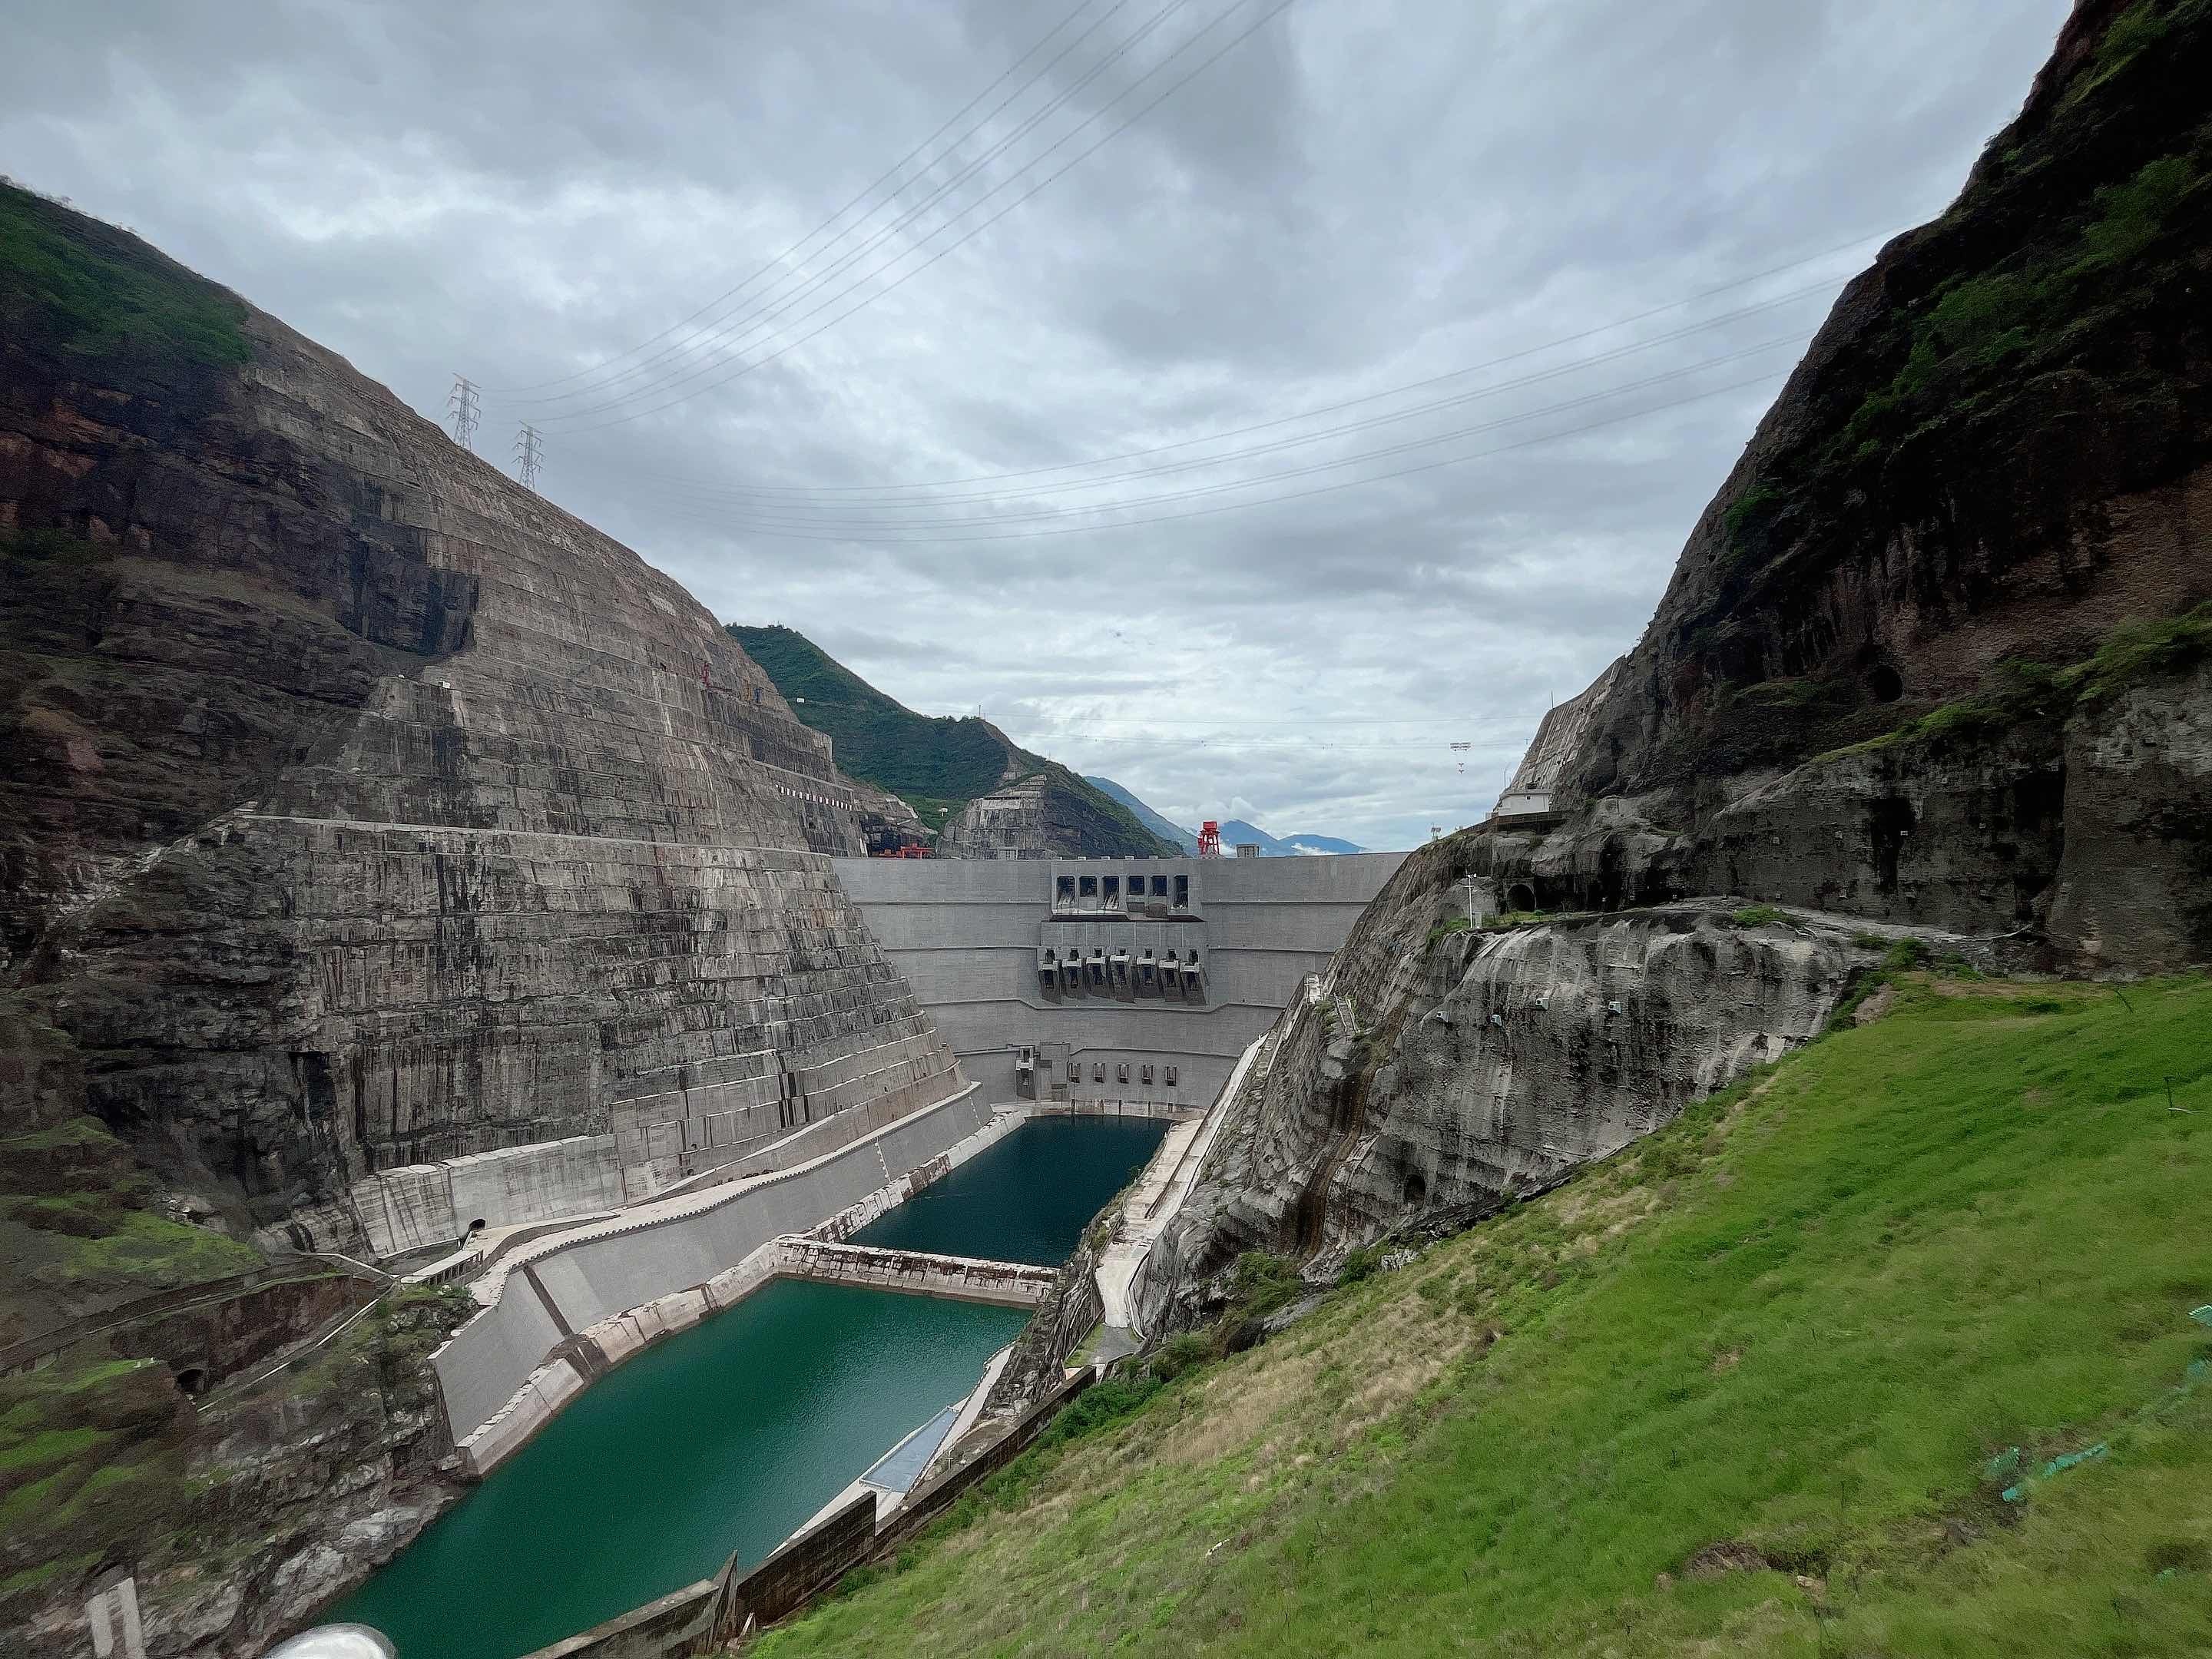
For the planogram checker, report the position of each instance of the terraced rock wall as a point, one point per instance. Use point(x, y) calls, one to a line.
point(365, 810)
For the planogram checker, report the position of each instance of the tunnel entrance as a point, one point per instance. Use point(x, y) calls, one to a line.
point(1521, 896)
point(193, 1379)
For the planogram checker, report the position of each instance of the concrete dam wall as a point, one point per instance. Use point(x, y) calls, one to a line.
point(1125, 980)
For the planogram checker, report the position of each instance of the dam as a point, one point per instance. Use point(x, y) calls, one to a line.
point(686, 1346)
point(1097, 982)
point(728, 1437)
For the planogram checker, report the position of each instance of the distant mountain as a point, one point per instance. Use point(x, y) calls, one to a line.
point(1166, 830)
point(1320, 844)
point(1234, 833)
point(939, 765)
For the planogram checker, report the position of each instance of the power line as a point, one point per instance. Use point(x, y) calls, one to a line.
point(1273, 11)
point(739, 494)
point(1291, 495)
point(896, 167)
point(717, 342)
point(1331, 408)
point(1197, 492)
point(732, 328)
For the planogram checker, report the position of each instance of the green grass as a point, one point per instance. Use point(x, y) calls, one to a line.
point(89, 1132)
point(2138, 650)
point(89, 1456)
point(1504, 920)
point(1804, 1321)
point(1445, 928)
point(101, 1244)
point(98, 292)
point(1758, 916)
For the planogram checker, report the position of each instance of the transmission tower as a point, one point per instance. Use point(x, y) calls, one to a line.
point(462, 406)
point(529, 455)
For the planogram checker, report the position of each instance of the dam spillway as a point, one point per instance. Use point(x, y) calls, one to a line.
point(729, 1436)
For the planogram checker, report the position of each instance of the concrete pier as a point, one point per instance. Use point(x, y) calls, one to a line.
point(919, 1272)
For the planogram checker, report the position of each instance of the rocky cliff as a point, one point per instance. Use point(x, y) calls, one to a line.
point(365, 808)
point(1439, 1071)
point(1934, 662)
point(1932, 652)
point(363, 811)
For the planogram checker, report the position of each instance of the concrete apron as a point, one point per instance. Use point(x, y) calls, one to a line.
point(1151, 1205)
point(580, 1357)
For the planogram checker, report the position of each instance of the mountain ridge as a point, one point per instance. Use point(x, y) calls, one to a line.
point(942, 766)
point(1235, 832)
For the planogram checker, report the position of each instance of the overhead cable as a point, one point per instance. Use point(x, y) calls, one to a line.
point(896, 167)
point(1266, 16)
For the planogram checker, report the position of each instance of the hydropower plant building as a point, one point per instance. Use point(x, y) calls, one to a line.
point(1108, 981)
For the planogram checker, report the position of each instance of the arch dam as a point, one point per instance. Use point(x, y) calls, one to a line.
point(1109, 984)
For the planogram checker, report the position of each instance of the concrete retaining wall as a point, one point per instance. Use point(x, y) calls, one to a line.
point(574, 1282)
point(696, 1137)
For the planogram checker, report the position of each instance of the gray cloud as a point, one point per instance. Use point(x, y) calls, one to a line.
point(1356, 197)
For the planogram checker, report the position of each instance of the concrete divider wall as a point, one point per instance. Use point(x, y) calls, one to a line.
point(619, 1267)
point(419, 1204)
point(919, 1272)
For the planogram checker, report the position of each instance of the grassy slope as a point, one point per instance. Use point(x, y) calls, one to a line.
point(937, 764)
point(98, 292)
point(1805, 1318)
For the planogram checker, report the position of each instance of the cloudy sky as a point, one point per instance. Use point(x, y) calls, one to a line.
point(1247, 399)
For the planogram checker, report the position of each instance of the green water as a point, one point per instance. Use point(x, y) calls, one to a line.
point(730, 1436)
point(1027, 1199)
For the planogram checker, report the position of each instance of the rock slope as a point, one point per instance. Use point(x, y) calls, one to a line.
point(1937, 660)
point(1932, 652)
point(365, 809)
point(1439, 1071)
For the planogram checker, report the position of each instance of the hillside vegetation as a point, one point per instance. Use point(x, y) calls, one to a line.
point(100, 293)
point(1886, 1350)
point(936, 764)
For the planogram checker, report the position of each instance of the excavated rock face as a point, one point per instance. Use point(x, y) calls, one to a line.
point(1439, 1071)
point(2139, 829)
point(237, 1527)
point(1041, 810)
point(1994, 464)
point(366, 809)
